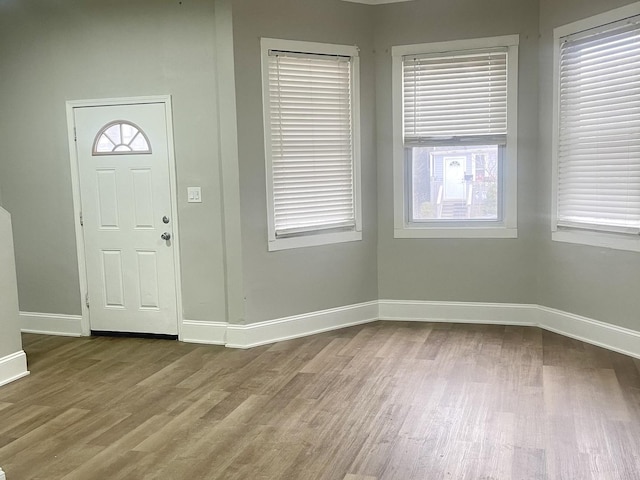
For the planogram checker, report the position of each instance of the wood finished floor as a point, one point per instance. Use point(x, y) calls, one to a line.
point(380, 401)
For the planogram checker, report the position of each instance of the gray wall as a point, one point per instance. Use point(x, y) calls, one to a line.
point(458, 269)
point(595, 282)
point(10, 341)
point(51, 52)
point(290, 282)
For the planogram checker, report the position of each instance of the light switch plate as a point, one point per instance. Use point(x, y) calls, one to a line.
point(194, 195)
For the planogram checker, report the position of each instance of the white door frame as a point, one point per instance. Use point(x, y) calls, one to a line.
point(77, 206)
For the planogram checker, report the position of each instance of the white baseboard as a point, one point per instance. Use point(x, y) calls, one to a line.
point(595, 332)
point(13, 367)
point(51, 324)
point(211, 333)
point(588, 330)
point(459, 312)
point(247, 336)
point(2, 477)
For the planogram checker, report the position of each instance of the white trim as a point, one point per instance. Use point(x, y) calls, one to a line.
point(508, 227)
point(77, 205)
point(616, 241)
point(2, 477)
point(198, 331)
point(308, 47)
point(247, 336)
point(77, 208)
point(13, 367)
point(598, 20)
point(51, 324)
point(459, 312)
point(455, 232)
point(313, 240)
point(317, 237)
point(456, 45)
point(595, 332)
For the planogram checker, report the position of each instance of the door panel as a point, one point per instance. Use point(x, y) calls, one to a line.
point(148, 279)
point(454, 178)
point(124, 195)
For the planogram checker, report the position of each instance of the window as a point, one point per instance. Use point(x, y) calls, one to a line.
point(310, 99)
point(597, 131)
point(455, 134)
point(121, 138)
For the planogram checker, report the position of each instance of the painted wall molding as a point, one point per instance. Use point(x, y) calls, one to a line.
point(459, 312)
point(253, 335)
point(199, 331)
point(51, 324)
point(595, 332)
point(13, 367)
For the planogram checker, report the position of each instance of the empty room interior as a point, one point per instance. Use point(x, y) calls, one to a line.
point(319, 239)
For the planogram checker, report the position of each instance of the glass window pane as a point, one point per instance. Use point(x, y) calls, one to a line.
point(121, 138)
point(454, 183)
point(104, 144)
point(128, 132)
point(113, 132)
point(139, 144)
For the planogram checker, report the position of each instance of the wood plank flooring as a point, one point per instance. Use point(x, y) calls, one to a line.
point(388, 400)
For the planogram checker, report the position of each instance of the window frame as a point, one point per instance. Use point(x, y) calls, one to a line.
point(596, 238)
point(507, 226)
point(317, 237)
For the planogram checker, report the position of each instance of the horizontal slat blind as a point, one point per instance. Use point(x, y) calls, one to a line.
point(453, 96)
point(599, 130)
point(310, 105)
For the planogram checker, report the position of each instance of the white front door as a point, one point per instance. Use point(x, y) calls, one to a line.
point(125, 188)
point(454, 178)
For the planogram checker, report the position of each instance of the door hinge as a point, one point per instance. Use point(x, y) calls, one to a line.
point(86, 299)
point(75, 134)
point(81, 220)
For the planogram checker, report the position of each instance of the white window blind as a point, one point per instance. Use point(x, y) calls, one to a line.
point(598, 152)
point(459, 97)
point(312, 155)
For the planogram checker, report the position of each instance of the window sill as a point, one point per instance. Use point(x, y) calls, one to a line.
point(313, 240)
point(617, 241)
point(455, 232)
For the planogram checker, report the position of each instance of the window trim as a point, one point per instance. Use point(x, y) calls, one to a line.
point(604, 239)
point(318, 237)
point(508, 226)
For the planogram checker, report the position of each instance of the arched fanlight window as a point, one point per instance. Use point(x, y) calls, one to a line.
point(121, 138)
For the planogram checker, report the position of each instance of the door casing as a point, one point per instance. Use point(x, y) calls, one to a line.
point(77, 206)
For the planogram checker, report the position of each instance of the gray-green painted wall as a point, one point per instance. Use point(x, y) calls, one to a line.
point(494, 270)
point(595, 282)
point(51, 52)
point(295, 281)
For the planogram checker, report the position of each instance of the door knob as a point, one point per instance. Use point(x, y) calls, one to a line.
point(165, 219)
point(166, 236)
